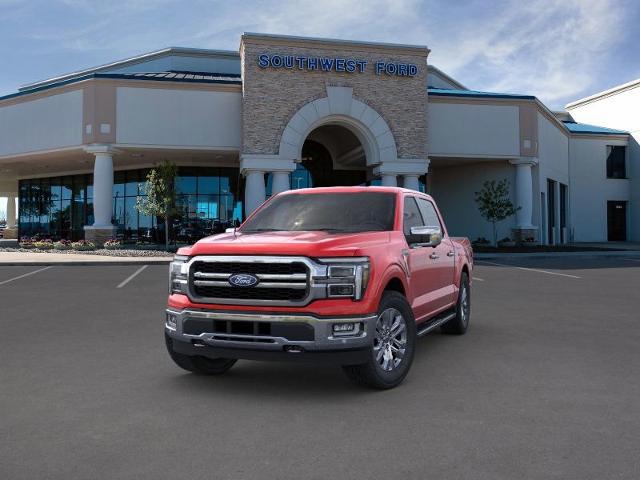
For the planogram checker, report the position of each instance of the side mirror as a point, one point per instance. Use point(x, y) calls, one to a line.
point(425, 236)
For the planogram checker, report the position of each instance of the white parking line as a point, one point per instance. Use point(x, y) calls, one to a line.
point(528, 269)
point(476, 279)
point(25, 275)
point(132, 276)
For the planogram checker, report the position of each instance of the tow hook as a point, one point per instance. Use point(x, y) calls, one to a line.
point(293, 349)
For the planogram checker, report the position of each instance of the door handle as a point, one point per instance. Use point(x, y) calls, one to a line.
point(451, 253)
point(434, 256)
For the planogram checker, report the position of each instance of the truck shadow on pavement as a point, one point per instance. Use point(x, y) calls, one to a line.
point(309, 381)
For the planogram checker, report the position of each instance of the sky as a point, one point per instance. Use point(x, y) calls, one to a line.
point(558, 50)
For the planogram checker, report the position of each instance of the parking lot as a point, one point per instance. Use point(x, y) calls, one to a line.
point(544, 385)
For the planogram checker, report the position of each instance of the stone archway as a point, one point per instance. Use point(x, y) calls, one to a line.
point(340, 108)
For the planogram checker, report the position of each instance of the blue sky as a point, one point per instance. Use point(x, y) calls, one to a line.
point(557, 50)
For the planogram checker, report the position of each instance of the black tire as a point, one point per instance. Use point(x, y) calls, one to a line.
point(372, 374)
point(199, 365)
point(459, 324)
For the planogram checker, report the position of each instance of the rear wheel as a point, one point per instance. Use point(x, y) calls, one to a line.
point(199, 365)
point(459, 324)
point(392, 348)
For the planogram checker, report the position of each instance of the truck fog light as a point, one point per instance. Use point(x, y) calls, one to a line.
point(345, 329)
point(340, 290)
point(172, 321)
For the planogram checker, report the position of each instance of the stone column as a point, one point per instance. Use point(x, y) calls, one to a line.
point(254, 191)
point(280, 182)
point(11, 211)
point(389, 180)
point(11, 232)
point(524, 198)
point(102, 228)
point(411, 182)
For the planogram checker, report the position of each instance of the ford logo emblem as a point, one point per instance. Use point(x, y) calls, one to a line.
point(243, 280)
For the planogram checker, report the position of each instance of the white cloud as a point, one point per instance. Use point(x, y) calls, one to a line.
point(554, 49)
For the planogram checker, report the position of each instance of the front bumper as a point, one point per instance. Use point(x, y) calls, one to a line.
point(273, 336)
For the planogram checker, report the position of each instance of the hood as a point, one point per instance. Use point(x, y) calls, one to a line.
point(310, 244)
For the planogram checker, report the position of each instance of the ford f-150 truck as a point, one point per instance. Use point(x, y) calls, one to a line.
point(347, 275)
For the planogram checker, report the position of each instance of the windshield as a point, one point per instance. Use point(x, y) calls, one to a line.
point(330, 212)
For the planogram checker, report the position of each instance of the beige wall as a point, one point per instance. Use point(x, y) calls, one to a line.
point(272, 96)
point(49, 122)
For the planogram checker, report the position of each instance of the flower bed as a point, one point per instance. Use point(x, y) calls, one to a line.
point(83, 245)
point(113, 244)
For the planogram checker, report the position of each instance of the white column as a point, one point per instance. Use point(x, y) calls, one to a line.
point(11, 211)
point(524, 192)
point(103, 190)
point(389, 180)
point(254, 192)
point(280, 182)
point(411, 182)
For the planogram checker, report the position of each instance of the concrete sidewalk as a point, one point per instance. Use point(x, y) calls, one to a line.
point(33, 258)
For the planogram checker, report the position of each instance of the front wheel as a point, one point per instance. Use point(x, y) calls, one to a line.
point(199, 365)
point(392, 348)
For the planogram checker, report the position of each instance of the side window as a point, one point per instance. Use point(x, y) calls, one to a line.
point(411, 217)
point(429, 213)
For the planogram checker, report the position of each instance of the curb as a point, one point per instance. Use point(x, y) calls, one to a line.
point(592, 254)
point(83, 263)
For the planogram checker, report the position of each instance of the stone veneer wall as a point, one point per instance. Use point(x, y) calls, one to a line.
point(271, 96)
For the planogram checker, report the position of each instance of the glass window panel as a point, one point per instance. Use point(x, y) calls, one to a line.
point(119, 214)
point(79, 187)
point(131, 218)
point(186, 184)
point(65, 226)
point(89, 211)
point(67, 188)
point(90, 186)
point(208, 184)
point(131, 185)
point(118, 184)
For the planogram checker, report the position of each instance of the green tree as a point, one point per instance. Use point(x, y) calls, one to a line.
point(494, 203)
point(160, 199)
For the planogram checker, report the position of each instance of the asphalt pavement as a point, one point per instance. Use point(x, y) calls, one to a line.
point(544, 385)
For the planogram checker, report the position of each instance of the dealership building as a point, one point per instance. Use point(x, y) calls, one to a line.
point(289, 112)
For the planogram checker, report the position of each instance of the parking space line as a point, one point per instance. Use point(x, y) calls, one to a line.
point(529, 269)
point(476, 279)
point(25, 275)
point(132, 276)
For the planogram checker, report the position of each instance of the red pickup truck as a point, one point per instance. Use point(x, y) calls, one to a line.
point(346, 275)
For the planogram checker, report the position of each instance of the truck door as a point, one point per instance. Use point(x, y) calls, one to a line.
point(441, 268)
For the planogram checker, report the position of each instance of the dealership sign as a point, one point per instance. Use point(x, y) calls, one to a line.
point(334, 64)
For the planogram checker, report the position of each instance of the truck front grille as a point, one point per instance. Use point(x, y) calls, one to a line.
point(280, 280)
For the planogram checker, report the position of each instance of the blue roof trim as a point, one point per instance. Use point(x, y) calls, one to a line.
point(226, 79)
point(575, 127)
point(444, 92)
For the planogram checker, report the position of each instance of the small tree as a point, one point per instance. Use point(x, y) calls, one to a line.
point(494, 203)
point(160, 200)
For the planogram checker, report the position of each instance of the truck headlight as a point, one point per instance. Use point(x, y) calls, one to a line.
point(178, 274)
point(347, 277)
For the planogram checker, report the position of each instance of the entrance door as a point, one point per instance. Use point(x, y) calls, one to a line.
point(617, 221)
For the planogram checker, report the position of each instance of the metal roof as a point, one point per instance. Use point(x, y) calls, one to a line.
point(444, 92)
point(186, 77)
point(575, 127)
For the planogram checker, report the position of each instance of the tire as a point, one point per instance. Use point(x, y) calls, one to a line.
point(385, 368)
point(199, 365)
point(459, 324)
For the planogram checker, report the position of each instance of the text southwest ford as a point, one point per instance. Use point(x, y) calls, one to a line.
point(343, 275)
